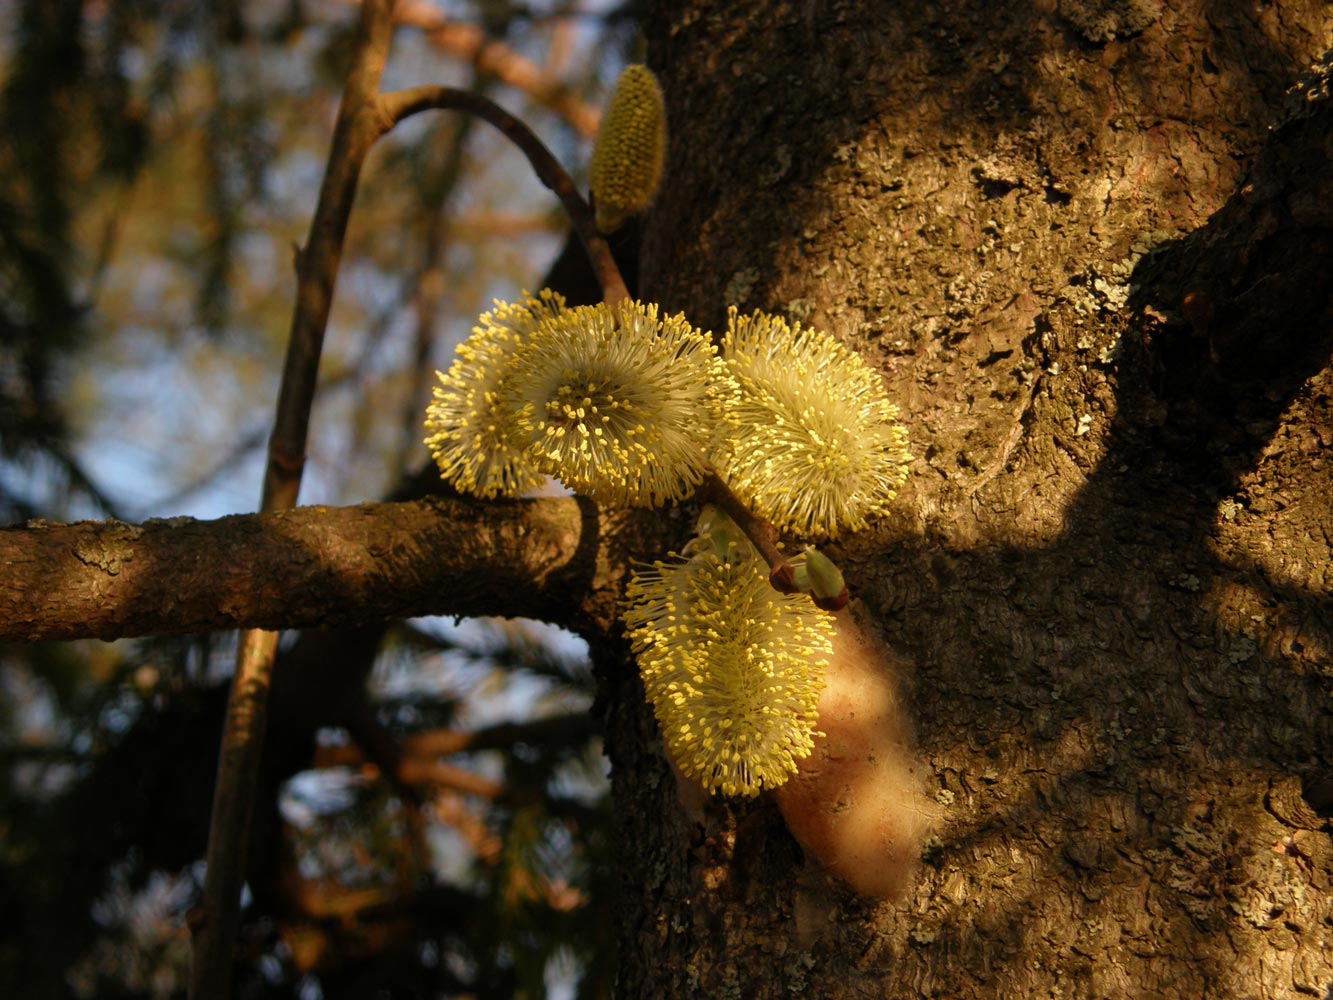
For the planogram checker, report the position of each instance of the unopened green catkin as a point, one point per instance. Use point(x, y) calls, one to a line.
point(630, 150)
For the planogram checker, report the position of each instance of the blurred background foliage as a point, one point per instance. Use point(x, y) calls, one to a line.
point(431, 818)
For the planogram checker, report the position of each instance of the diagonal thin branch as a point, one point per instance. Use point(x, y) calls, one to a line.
point(358, 126)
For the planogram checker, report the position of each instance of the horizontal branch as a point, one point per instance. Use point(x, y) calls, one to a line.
point(558, 560)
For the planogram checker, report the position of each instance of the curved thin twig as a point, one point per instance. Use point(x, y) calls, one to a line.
point(760, 532)
point(403, 104)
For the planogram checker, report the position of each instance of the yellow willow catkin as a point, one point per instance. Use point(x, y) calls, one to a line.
point(470, 423)
point(733, 668)
point(630, 150)
point(813, 443)
point(617, 402)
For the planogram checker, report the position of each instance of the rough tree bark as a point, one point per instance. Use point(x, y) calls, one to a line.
point(1088, 245)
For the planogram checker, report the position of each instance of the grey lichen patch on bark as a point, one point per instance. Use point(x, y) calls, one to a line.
point(1102, 21)
point(110, 548)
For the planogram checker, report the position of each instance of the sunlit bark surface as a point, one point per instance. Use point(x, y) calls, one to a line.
point(1088, 246)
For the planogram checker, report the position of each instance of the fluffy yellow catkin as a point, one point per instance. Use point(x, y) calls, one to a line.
point(813, 443)
point(630, 150)
point(733, 668)
point(472, 432)
point(616, 402)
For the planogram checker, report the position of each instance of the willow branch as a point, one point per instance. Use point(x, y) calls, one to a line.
point(363, 116)
point(556, 559)
point(760, 532)
point(405, 103)
point(357, 128)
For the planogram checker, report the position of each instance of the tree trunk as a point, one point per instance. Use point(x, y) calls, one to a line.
point(1088, 245)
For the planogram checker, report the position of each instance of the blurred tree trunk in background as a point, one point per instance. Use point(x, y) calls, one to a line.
point(1088, 245)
